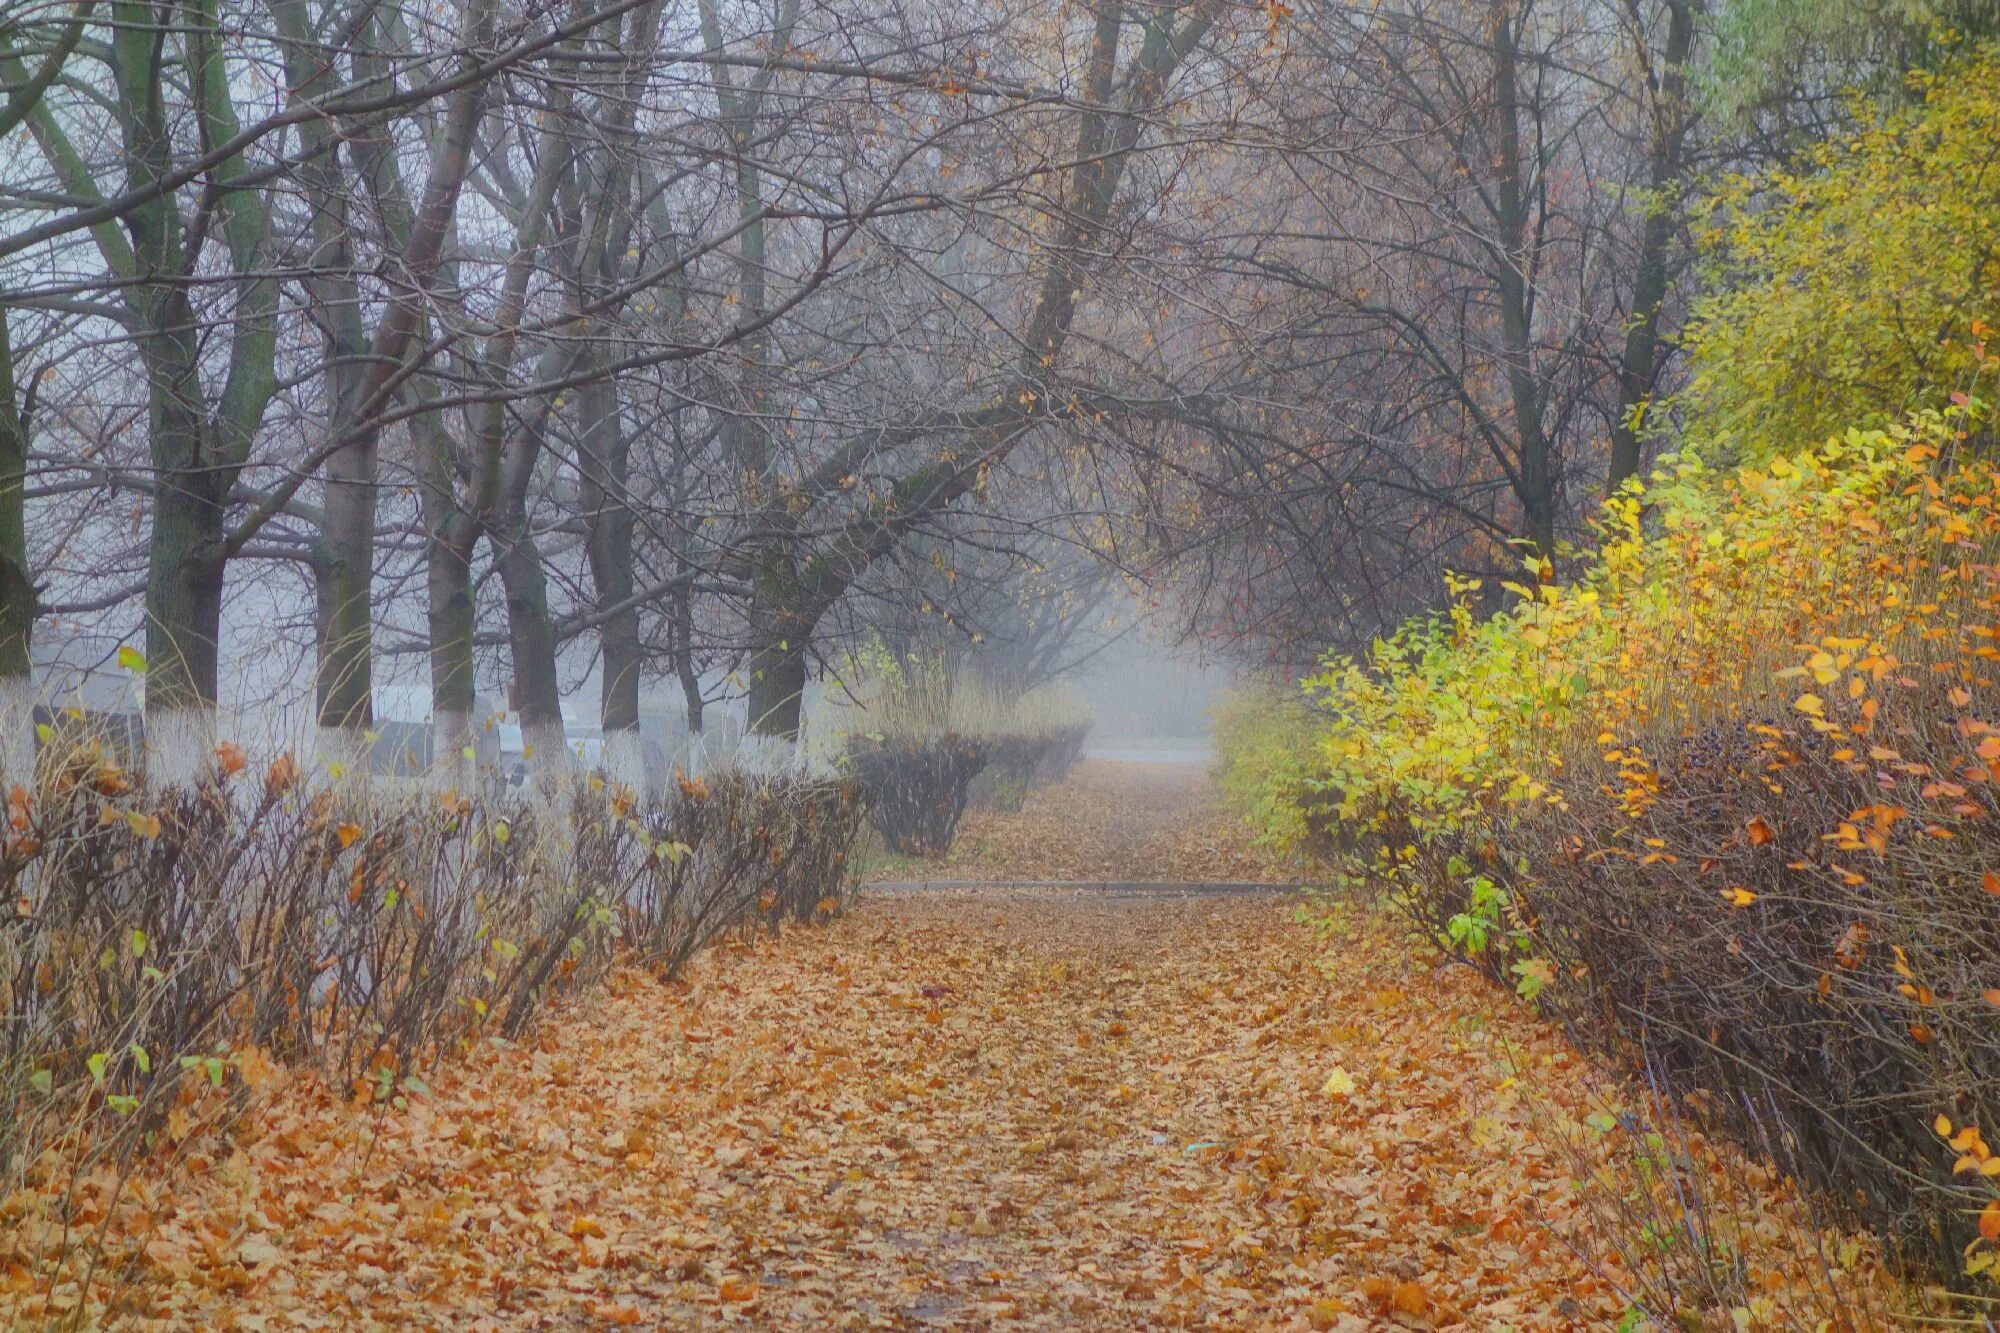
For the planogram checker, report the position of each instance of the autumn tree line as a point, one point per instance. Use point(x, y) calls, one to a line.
point(656, 341)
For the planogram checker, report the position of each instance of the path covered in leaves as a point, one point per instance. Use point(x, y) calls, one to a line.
point(958, 1109)
point(1110, 821)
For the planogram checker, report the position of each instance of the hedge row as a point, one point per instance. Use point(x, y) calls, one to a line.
point(157, 937)
point(1726, 804)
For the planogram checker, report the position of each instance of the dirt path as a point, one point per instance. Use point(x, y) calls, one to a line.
point(954, 1109)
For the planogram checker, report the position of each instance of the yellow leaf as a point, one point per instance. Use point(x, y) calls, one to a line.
point(1339, 1083)
point(1739, 896)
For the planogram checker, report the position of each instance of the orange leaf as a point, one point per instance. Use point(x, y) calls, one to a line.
point(738, 1289)
point(1991, 883)
point(349, 833)
point(229, 757)
point(1411, 1298)
point(281, 777)
point(1760, 832)
point(1989, 1222)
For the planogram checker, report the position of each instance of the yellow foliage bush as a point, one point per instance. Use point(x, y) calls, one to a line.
point(1730, 798)
point(1267, 747)
point(1858, 286)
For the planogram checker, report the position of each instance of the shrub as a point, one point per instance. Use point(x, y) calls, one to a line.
point(165, 945)
point(724, 849)
point(1014, 763)
point(918, 787)
point(1267, 764)
point(1839, 290)
point(1065, 749)
point(1725, 804)
point(925, 742)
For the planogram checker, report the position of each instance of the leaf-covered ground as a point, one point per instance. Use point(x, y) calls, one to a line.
point(954, 1108)
point(1156, 821)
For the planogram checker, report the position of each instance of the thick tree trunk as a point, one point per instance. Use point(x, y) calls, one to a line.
point(452, 624)
point(195, 459)
point(781, 627)
point(531, 636)
point(17, 588)
point(184, 586)
point(344, 573)
point(777, 686)
point(450, 534)
point(1638, 366)
point(186, 557)
point(1535, 476)
point(606, 459)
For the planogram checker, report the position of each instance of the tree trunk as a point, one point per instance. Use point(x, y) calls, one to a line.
point(449, 534)
point(606, 458)
point(184, 585)
point(17, 588)
point(1638, 366)
point(343, 575)
point(683, 654)
point(780, 632)
point(531, 636)
point(185, 560)
point(777, 687)
point(1535, 478)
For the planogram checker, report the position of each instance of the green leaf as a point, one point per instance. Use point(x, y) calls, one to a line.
point(45, 733)
point(140, 1058)
point(42, 1081)
point(138, 944)
point(131, 658)
point(96, 1064)
point(121, 1103)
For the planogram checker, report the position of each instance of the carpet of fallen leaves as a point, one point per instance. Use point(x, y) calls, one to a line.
point(1108, 821)
point(951, 1108)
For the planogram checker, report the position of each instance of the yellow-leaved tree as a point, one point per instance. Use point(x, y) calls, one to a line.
point(1858, 286)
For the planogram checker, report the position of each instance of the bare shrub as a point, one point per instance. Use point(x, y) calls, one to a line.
point(165, 946)
point(918, 787)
